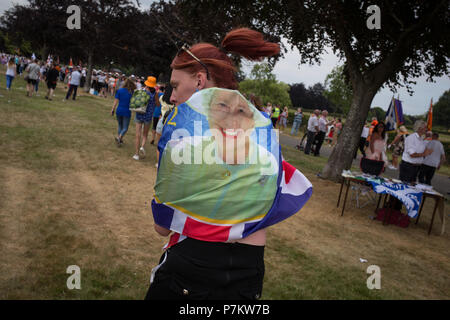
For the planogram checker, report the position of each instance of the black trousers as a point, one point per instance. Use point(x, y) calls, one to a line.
point(72, 88)
point(361, 145)
point(274, 122)
point(200, 270)
point(309, 141)
point(426, 173)
point(408, 172)
point(320, 136)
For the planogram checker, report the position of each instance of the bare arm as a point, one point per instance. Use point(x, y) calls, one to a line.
point(397, 138)
point(442, 161)
point(375, 136)
point(423, 154)
point(116, 102)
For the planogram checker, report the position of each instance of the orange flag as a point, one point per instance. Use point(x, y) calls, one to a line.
point(430, 116)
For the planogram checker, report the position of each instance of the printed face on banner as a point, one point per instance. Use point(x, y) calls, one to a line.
point(231, 123)
point(218, 165)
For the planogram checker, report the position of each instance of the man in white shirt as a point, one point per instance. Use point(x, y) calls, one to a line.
point(313, 129)
point(363, 139)
point(414, 153)
point(320, 136)
point(433, 161)
point(73, 84)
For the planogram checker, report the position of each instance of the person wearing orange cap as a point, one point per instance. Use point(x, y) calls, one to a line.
point(143, 120)
point(373, 124)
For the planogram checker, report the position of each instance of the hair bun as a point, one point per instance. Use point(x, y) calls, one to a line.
point(249, 43)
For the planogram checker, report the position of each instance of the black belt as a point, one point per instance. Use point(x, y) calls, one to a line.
point(412, 164)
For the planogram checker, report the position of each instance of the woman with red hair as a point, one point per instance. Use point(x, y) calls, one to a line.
point(192, 268)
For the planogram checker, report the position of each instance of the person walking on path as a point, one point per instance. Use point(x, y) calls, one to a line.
point(73, 84)
point(298, 116)
point(157, 114)
point(10, 73)
point(283, 118)
point(433, 161)
point(34, 73)
point(51, 79)
point(143, 120)
point(313, 129)
point(320, 136)
point(275, 115)
point(166, 109)
point(362, 141)
point(123, 113)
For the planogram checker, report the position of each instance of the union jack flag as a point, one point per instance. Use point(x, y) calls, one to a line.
point(223, 202)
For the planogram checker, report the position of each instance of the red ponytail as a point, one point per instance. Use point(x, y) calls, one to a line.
point(249, 44)
point(245, 42)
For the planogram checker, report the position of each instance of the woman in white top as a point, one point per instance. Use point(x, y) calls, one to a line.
point(10, 73)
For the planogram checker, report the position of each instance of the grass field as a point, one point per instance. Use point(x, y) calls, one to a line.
point(71, 197)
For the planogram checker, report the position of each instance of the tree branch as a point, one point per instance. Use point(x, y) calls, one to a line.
point(381, 72)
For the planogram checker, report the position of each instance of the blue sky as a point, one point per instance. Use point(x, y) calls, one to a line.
point(288, 70)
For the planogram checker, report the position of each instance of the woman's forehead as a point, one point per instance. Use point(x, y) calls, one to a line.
point(230, 97)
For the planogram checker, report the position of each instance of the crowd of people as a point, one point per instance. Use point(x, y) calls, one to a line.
point(421, 151)
point(104, 84)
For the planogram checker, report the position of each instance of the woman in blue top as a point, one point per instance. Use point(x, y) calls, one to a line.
point(144, 119)
point(123, 113)
point(157, 114)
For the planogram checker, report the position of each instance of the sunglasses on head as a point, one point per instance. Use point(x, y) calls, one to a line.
point(186, 48)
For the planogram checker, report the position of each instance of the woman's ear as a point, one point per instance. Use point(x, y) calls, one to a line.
point(200, 77)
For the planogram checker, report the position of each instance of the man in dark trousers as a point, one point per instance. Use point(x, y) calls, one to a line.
point(75, 80)
point(433, 161)
point(323, 128)
point(313, 129)
point(51, 79)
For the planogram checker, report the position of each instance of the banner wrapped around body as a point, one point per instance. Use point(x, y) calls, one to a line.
point(221, 176)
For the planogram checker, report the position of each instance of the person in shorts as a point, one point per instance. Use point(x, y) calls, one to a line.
point(51, 79)
point(143, 120)
point(34, 72)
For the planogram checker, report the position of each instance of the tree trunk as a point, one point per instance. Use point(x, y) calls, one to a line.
point(342, 155)
point(87, 84)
